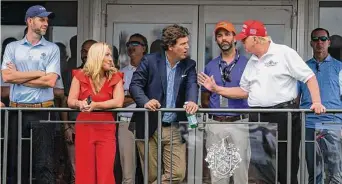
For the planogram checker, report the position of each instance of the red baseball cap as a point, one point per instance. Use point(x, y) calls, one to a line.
point(252, 28)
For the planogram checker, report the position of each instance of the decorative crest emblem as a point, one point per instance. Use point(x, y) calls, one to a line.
point(223, 158)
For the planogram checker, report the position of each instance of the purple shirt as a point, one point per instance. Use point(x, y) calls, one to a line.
point(236, 67)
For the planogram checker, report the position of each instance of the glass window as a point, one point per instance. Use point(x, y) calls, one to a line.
point(330, 18)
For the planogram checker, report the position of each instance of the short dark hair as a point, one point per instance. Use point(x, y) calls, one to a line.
point(156, 46)
point(320, 29)
point(143, 38)
point(88, 42)
point(171, 34)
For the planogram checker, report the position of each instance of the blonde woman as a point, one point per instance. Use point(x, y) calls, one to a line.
point(97, 86)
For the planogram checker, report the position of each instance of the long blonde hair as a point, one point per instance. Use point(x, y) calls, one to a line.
point(93, 65)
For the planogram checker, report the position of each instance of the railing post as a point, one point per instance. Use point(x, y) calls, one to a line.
point(4, 161)
point(159, 147)
point(146, 149)
point(302, 157)
point(289, 144)
point(20, 113)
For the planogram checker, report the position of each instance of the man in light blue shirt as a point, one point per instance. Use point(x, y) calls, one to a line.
point(32, 66)
point(325, 128)
point(170, 117)
point(137, 47)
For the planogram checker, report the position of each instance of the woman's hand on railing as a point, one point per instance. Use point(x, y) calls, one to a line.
point(92, 106)
point(82, 105)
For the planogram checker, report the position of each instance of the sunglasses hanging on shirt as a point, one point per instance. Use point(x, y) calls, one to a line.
point(226, 71)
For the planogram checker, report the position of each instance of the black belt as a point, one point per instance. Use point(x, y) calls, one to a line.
point(283, 105)
point(166, 124)
point(227, 118)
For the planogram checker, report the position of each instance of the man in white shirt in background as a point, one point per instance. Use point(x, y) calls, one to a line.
point(137, 47)
point(270, 81)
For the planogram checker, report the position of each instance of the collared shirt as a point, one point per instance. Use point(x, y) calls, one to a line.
point(213, 69)
point(272, 79)
point(170, 117)
point(128, 73)
point(329, 77)
point(44, 56)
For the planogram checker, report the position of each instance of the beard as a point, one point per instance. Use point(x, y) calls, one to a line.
point(226, 46)
point(39, 31)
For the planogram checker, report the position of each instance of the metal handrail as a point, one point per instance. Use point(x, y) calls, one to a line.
point(200, 110)
point(302, 112)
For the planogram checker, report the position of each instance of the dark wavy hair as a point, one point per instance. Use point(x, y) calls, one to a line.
point(171, 34)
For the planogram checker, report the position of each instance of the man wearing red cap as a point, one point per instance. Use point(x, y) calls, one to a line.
point(270, 81)
point(227, 70)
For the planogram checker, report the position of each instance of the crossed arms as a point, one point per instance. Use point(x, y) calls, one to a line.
point(36, 79)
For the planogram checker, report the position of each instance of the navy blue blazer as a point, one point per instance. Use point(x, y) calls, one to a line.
point(149, 82)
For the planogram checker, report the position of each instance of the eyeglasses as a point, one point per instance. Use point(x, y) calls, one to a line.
point(322, 38)
point(134, 44)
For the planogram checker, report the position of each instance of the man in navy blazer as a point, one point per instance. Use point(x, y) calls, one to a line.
point(165, 80)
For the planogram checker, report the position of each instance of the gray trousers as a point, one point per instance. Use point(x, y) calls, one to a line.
point(127, 153)
point(237, 134)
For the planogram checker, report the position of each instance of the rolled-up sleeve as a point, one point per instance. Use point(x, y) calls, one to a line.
point(298, 69)
point(53, 65)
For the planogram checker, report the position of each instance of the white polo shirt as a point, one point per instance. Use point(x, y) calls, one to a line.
point(272, 79)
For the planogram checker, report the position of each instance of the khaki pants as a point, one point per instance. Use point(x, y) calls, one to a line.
point(173, 160)
point(127, 153)
point(237, 134)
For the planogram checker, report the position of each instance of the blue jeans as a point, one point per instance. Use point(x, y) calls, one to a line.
point(328, 155)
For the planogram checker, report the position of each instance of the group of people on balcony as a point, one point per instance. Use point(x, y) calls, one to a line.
point(274, 77)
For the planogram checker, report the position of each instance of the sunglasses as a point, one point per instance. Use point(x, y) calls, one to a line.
point(322, 38)
point(134, 44)
point(226, 76)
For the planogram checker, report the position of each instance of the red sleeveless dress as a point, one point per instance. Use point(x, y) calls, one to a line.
point(95, 141)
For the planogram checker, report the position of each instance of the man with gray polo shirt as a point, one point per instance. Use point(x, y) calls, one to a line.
point(227, 70)
point(136, 48)
point(32, 66)
point(270, 81)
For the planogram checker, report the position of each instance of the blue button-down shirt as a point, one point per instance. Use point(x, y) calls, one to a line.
point(170, 117)
point(44, 56)
point(213, 69)
point(329, 77)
